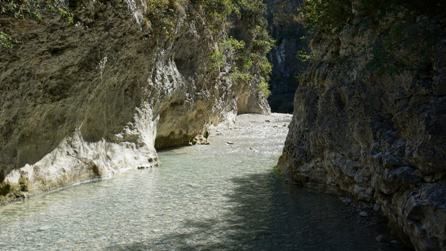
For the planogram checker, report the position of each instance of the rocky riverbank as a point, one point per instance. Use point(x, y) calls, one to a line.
point(220, 196)
point(236, 137)
point(375, 129)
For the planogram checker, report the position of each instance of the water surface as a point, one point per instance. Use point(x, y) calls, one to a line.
point(218, 197)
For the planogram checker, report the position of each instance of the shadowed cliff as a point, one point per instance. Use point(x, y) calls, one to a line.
point(369, 115)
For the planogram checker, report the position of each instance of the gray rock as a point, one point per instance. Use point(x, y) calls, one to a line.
point(84, 97)
point(283, 57)
point(382, 238)
point(347, 201)
point(389, 128)
point(363, 214)
point(395, 242)
point(376, 207)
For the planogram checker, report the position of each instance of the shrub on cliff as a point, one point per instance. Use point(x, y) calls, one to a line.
point(33, 8)
point(248, 47)
point(249, 43)
point(324, 16)
point(404, 41)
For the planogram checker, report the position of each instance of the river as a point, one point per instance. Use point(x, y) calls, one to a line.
point(223, 196)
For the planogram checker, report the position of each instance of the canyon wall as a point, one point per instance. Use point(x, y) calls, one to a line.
point(90, 97)
point(370, 119)
point(290, 39)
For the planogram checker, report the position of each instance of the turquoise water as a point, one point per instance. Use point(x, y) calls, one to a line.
point(217, 197)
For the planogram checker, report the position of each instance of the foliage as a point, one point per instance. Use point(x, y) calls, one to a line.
point(231, 47)
point(303, 55)
point(6, 40)
point(402, 40)
point(244, 52)
point(9, 192)
point(380, 7)
point(396, 52)
point(253, 62)
point(160, 17)
point(324, 15)
point(33, 8)
point(217, 12)
point(264, 87)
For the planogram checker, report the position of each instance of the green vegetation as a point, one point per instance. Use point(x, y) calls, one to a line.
point(245, 52)
point(264, 87)
point(326, 16)
point(6, 40)
point(406, 42)
point(244, 55)
point(402, 40)
point(303, 55)
point(160, 18)
point(34, 8)
point(228, 47)
point(9, 192)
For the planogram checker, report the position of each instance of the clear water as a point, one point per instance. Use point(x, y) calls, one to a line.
point(217, 197)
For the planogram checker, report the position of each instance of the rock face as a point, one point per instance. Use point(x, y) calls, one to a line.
point(379, 137)
point(92, 99)
point(290, 39)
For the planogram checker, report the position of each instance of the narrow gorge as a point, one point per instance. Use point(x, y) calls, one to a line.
point(173, 98)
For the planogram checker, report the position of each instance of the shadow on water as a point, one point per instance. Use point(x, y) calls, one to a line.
point(264, 213)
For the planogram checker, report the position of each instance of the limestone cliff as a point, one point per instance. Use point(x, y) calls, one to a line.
point(89, 99)
point(290, 38)
point(370, 118)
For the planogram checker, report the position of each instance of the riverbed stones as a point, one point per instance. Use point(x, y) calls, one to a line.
point(363, 214)
point(376, 207)
point(234, 204)
point(347, 201)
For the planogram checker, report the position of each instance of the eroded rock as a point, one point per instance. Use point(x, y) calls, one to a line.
point(87, 101)
point(378, 137)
